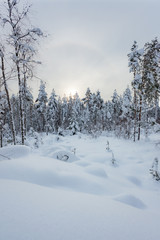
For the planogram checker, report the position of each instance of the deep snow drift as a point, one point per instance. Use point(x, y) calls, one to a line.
point(69, 189)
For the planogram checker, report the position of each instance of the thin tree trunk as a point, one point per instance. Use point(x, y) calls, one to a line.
point(16, 48)
point(1, 137)
point(135, 115)
point(8, 100)
point(20, 103)
point(21, 110)
point(24, 104)
point(139, 119)
point(156, 106)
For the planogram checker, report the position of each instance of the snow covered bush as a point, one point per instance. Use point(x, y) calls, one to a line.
point(34, 138)
point(154, 170)
point(64, 155)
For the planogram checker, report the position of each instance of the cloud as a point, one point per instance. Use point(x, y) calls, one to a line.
point(89, 41)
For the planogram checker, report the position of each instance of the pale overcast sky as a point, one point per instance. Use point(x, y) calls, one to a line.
point(89, 41)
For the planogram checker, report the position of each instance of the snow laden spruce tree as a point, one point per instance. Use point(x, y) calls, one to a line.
point(87, 110)
point(145, 65)
point(135, 68)
point(75, 124)
point(21, 38)
point(52, 113)
point(151, 74)
point(116, 112)
point(41, 106)
point(126, 115)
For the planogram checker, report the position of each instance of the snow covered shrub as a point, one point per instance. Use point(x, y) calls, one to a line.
point(7, 135)
point(73, 127)
point(37, 141)
point(95, 133)
point(35, 138)
point(57, 138)
point(74, 151)
point(107, 147)
point(63, 157)
point(154, 170)
point(60, 131)
point(157, 128)
point(113, 159)
point(31, 132)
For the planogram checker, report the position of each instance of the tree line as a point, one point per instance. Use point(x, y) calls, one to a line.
point(126, 115)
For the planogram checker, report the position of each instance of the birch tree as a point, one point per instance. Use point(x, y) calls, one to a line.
point(4, 83)
point(21, 38)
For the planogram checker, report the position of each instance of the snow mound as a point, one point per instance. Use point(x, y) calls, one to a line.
point(65, 156)
point(97, 171)
point(83, 163)
point(54, 174)
point(7, 153)
point(34, 212)
point(134, 180)
point(131, 200)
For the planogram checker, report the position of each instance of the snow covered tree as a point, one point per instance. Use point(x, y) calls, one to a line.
point(52, 113)
point(41, 106)
point(108, 113)
point(2, 112)
point(151, 74)
point(75, 124)
point(87, 111)
point(65, 113)
point(21, 38)
point(96, 104)
point(4, 83)
point(135, 68)
point(117, 110)
point(126, 116)
point(28, 110)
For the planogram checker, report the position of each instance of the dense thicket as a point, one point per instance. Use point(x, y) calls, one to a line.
point(126, 115)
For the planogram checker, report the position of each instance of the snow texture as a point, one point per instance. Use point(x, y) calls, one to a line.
point(86, 197)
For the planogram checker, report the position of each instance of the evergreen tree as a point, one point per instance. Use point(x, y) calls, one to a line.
point(87, 101)
point(135, 67)
point(126, 116)
point(117, 110)
point(29, 110)
point(75, 124)
point(41, 106)
point(52, 113)
point(65, 113)
point(108, 113)
point(151, 74)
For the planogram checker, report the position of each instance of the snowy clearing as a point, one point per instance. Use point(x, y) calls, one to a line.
point(81, 196)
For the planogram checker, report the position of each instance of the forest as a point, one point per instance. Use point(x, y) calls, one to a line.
point(128, 115)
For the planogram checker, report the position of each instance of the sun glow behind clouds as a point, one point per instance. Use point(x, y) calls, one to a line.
point(71, 91)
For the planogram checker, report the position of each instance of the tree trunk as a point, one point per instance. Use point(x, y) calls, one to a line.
point(139, 118)
point(8, 100)
point(24, 103)
point(21, 110)
point(135, 116)
point(1, 137)
point(156, 106)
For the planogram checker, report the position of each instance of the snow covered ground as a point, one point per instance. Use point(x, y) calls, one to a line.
point(81, 195)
